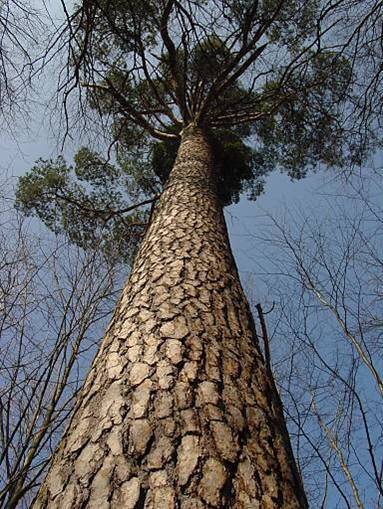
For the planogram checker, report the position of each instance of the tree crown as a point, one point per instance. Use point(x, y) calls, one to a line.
point(255, 75)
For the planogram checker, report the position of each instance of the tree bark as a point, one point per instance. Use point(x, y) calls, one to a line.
point(179, 409)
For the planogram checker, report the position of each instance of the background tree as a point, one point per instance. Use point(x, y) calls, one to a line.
point(325, 277)
point(21, 28)
point(54, 301)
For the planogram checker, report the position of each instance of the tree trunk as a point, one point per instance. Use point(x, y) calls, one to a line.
point(178, 409)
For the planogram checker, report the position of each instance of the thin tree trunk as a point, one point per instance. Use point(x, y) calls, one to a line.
point(179, 410)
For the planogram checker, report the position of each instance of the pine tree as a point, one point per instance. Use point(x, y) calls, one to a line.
point(203, 98)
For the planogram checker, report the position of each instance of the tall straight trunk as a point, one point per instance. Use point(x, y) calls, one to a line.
point(179, 409)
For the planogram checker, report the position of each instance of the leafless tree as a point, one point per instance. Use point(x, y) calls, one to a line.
point(327, 279)
point(21, 24)
point(54, 301)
